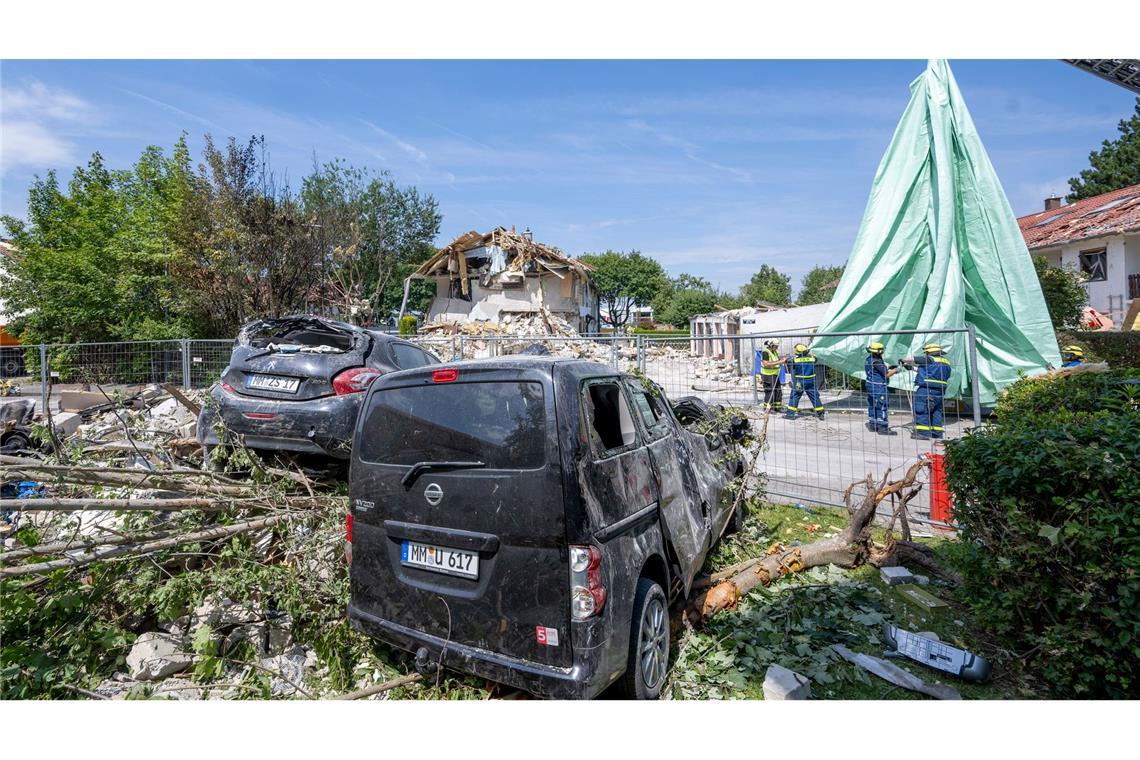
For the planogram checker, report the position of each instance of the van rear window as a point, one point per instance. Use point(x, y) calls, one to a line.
point(501, 423)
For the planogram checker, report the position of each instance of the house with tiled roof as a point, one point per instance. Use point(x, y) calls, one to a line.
point(1098, 236)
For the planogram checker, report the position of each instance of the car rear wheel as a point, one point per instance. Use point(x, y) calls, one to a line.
point(648, 660)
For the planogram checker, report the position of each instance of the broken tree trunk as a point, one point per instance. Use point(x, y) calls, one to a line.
point(851, 548)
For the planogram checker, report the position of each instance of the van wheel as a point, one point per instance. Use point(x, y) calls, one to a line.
point(648, 660)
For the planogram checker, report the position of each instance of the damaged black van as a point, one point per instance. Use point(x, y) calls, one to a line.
point(530, 519)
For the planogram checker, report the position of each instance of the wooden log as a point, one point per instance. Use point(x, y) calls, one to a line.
point(850, 548)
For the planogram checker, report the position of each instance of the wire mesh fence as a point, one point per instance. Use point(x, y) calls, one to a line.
point(819, 437)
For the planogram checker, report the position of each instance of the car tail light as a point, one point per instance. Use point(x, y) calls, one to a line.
point(354, 380)
point(587, 592)
point(348, 539)
point(444, 375)
point(258, 415)
point(228, 388)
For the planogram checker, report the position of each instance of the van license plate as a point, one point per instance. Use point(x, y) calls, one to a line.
point(273, 383)
point(440, 559)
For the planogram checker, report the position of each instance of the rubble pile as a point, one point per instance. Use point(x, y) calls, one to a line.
point(518, 323)
point(218, 582)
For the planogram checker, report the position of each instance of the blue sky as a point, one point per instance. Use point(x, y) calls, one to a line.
point(712, 168)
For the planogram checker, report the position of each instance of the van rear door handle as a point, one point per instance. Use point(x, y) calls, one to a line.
point(452, 538)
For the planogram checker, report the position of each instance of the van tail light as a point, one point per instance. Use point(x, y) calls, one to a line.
point(354, 380)
point(348, 539)
point(587, 592)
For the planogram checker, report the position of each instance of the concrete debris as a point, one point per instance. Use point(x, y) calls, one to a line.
point(781, 683)
point(224, 614)
point(892, 673)
point(895, 576)
point(157, 655)
point(292, 665)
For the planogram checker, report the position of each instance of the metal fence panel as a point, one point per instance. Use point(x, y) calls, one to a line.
point(808, 459)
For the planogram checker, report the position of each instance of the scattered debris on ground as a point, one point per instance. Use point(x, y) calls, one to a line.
point(138, 572)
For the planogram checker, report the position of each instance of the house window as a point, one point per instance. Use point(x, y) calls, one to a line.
point(1094, 265)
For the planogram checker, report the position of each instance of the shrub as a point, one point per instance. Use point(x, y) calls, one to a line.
point(1048, 501)
point(407, 325)
point(1119, 349)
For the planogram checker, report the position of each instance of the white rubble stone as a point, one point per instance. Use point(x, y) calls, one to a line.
point(157, 655)
point(781, 683)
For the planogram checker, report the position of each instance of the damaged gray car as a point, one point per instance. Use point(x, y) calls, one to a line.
point(532, 519)
point(294, 384)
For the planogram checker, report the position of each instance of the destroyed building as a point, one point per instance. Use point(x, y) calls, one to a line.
point(502, 276)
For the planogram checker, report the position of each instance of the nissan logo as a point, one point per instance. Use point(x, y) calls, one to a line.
point(433, 493)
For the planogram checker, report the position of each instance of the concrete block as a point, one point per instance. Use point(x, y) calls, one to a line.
point(66, 423)
point(781, 683)
point(894, 576)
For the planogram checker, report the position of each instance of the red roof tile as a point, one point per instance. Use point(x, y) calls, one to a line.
point(1107, 214)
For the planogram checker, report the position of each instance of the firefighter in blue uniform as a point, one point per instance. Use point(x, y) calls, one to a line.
point(802, 367)
point(1072, 356)
point(930, 384)
point(877, 391)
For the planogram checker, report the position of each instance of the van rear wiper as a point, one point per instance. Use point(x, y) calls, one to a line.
point(421, 467)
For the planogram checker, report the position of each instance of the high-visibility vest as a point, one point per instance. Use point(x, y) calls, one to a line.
point(770, 356)
point(804, 366)
point(935, 375)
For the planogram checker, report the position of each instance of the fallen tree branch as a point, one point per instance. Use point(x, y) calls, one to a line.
point(210, 534)
point(850, 548)
point(73, 544)
point(382, 687)
point(52, 504)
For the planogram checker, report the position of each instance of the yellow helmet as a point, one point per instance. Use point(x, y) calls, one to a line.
point(801, 348)
point(932, 348)
point(876, 348)
point(1074, 350)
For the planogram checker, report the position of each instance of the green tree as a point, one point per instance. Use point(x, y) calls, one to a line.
point(374, 233)
point(625, 280)
point(768, 285)
point(92, 262)
point(1064, 295)
point(681, 297)
point(1115, 165)
point(819, 285)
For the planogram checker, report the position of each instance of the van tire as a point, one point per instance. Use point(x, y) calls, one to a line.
point(650, 623)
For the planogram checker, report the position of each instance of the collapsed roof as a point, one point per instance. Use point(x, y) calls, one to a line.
point(500, 254)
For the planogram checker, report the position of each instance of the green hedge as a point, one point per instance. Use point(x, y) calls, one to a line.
point(661, 333)
point(1048, 501)
point(1119, 349)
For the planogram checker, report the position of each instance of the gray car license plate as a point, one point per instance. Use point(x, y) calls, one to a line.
point(440, 559)
point(273, 383)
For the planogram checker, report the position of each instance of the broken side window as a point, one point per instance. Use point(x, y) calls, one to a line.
point(610, 422)
point(651, 411)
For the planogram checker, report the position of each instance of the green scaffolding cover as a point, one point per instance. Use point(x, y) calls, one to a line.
point(939, 248)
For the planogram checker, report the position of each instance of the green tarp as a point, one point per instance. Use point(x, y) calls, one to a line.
point(939, 248)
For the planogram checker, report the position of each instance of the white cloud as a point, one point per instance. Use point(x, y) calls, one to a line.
point(30, 144)
point(32, 115)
